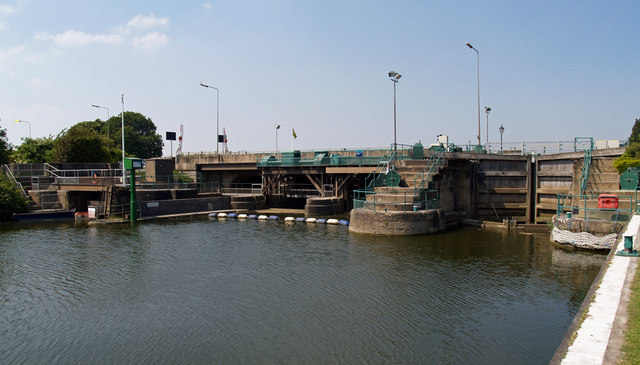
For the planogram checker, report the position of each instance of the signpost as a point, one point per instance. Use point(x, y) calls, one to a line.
point(171, 136)
point(132, 164)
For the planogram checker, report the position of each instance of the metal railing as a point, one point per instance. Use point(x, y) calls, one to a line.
point(585, 143)
point(9, 174)
point(401, 200)
point(593, 207)
point(433, 163)
point(242, 188)
point(529, 147)
point(376, 177)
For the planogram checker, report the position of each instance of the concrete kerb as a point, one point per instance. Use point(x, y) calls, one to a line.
point(597, 331)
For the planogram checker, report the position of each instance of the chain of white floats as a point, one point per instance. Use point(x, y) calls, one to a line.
point(263, 217)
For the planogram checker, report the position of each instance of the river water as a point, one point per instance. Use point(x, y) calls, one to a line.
point(200, 291)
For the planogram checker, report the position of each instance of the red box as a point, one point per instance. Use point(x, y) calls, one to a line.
point(608, 201)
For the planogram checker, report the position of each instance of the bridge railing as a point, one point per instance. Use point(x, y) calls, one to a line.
point(351, 158)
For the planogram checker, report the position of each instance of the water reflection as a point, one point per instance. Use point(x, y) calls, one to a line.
point(249, 291)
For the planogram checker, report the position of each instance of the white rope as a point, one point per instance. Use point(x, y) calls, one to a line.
point(584, 239)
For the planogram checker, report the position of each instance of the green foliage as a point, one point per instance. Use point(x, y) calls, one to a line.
point(5, 147)
point(635, 132)
point(81, 144)
point(625, 161)
point(631, 156)
point(35, 150)
point(96, 125)
point(181, 177)
point(11, 200)
point(141, 139)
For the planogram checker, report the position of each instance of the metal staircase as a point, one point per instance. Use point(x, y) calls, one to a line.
point(7, 171)
point(433, 164)
point(378, 176)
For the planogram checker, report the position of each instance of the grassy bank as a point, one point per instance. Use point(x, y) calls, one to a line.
point(631, 347)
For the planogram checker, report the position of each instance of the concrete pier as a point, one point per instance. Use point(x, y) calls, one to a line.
point(397, 223)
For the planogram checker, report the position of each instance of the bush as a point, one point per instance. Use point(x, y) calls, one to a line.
point(11, 199)
point(625, 161)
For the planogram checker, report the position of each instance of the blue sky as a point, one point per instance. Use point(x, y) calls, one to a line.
point(550, 70)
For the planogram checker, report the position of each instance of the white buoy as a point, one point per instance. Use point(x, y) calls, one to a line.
point(262, 217)
point(242, 216)
point(332, 221)
point(222, 215)
point(289, 220)
point(311, 220)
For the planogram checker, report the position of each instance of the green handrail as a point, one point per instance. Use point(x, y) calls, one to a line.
point(584, 178)
point(432, 164)
point(375, 177)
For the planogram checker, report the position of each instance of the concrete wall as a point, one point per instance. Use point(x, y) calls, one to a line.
point(397, 223)
point(165, 207)
point(159, 169)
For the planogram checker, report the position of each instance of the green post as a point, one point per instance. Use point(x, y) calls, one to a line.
point(132, 164)
point(133, 203)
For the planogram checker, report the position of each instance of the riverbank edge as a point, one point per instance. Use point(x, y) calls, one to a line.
point(615, 335)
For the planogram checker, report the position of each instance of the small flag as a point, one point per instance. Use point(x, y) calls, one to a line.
point(293, 132)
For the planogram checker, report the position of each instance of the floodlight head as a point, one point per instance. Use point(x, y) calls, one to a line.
point(203, 85)
point(277, 126)
point(392, 74)
point(469, 45)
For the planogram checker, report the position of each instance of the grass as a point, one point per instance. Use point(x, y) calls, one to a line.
point(631, 347)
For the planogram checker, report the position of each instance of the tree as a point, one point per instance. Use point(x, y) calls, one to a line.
point(11, 200)
point(141, 138)
point(635, 133)
point(5, 147)
point(81, 144)
point(631, 156)
point(35, 150)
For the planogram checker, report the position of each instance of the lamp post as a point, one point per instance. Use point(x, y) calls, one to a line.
point(501, 129)
point(487, 110)
point(277, 127)
point(123, 170)
point(478, 76)
point(29, 123)
point(217, 115)
point(394, 76)
point(108, 115)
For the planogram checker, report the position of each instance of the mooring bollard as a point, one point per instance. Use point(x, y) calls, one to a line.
point(628, 248)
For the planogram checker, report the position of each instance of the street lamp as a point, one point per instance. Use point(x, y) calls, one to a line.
point(217, 116)
point(29, 123)
point(277, 127)
point(394, 76)
point(478, 74)
point(501, 129)
point(123, 171)
point(108, 115)
point(487, 110)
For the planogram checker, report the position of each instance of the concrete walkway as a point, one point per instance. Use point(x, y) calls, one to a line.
point(601, 325)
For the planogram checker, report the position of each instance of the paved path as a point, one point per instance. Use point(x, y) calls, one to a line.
point(595, 333)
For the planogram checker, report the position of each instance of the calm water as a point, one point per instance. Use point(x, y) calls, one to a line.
point(199, 291)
